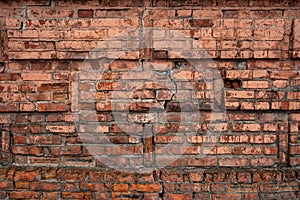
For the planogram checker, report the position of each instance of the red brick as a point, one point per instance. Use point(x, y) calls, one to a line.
point(26, 175)
point(52, 107)
point(97, 187)
point(68, 150)
point(246, 150)
point(146, 187)
point(231, 162)
point(202, 162)
point(45, 139)
point(33, 55)
point(227, 196)
point(65, 174)
point(6, 185)
point(45, 186)
point(60, 128)
point(121, 187)
point(240, 94)
point(256, 84)
point(77, 195)
point(85, 13)
point(151, 197)
point(257, 162)
point(24, 194)
point(178, 196)
point(246, 127)
point(294, 161)
point(294, 150)
point(9, 107)
point(244, 177)
point(50, 195)
point(27, 150)
point(19, 139)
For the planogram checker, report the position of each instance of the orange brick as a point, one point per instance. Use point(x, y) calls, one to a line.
point(36, 77)
point(121, 187)
point(52, 107)
point(24, 194)
point(155, 187)
point(240, 94)
point(246, 127)
point(260, 74)
point(243, 74)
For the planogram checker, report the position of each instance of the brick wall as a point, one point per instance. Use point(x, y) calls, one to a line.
point(149, 99)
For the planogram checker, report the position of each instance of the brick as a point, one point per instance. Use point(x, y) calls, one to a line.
point(294, 150)
point(227, 196)
point(22, 34)
point(178, 196)
point(45, 140)
point(19, 139)
point(168, 139)
point(50, 195)
point(9, 107)
point(27, 88)
point(45, 186)
point(85, 13)
point(234, 139)
point(27, 150)
point(227, 162)
point(202, 162)
point(77, 195)
point(271, 150)
point(98, 187)
point(240, 94)
point(199, 23)
point(32, 55)
point(263, 139)
point(263, 162)
point(36, 77)
point(121, 65)
point(52, 107)
point(22, 185)
point(207, 14)
point(146, 187)
point(60, 129)
point(246, 127)
point(6, 185)
point(24, 194)
point(256, 84)
point(121, 187)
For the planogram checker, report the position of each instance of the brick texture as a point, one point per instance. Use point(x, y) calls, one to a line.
point(72, 125)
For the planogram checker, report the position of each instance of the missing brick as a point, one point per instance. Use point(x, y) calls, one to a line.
point(241, 65)
point(160, 54)
point(235, 83)
point(2, 67)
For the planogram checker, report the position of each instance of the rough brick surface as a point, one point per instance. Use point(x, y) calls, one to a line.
point(69, 123)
